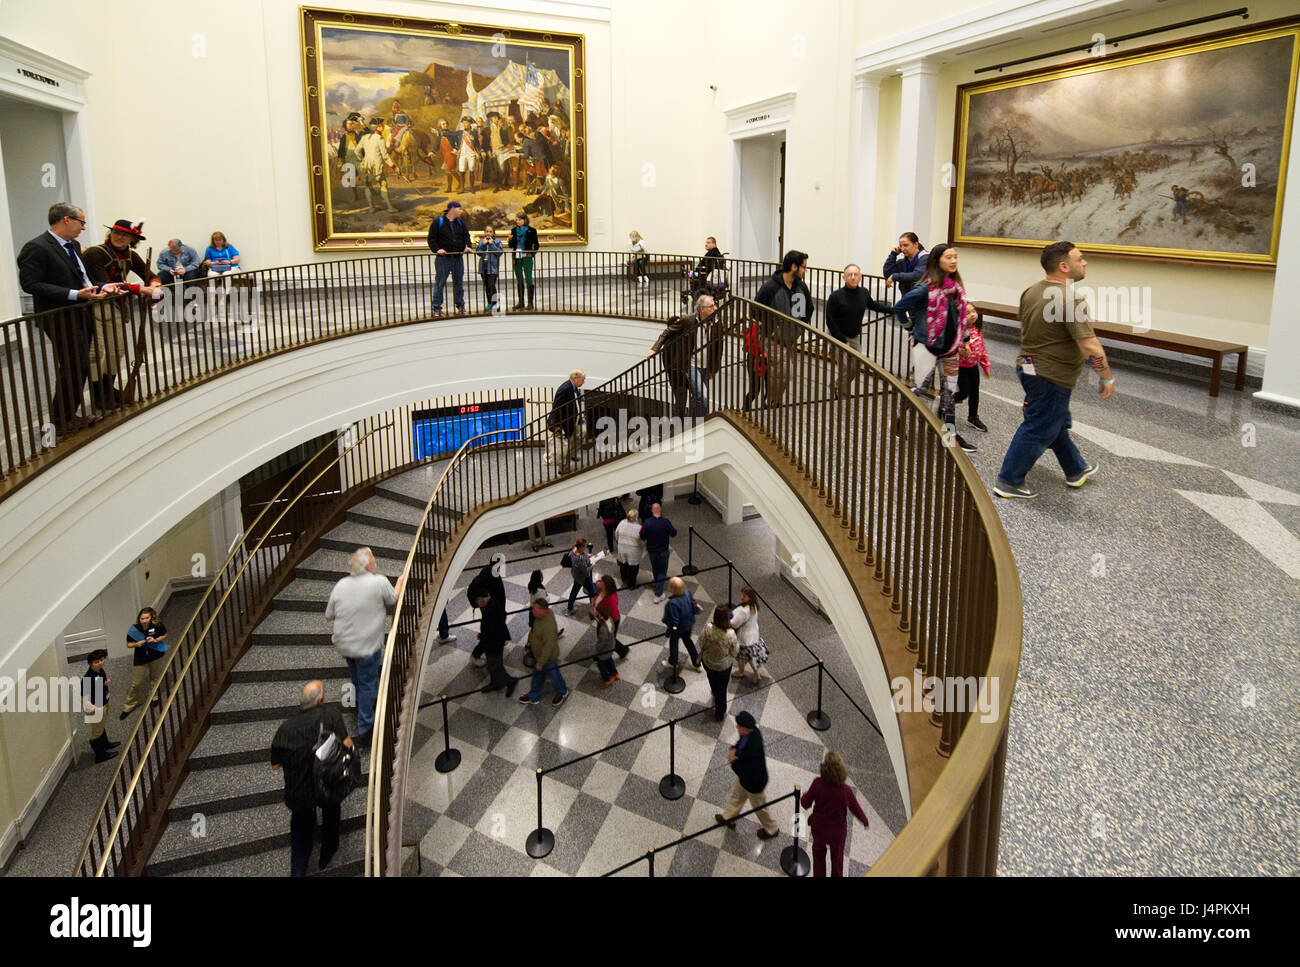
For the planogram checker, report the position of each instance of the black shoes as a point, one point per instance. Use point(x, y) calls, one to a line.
point(976, 422)
point(764, 834)
point(724, 821)
point(965, 444)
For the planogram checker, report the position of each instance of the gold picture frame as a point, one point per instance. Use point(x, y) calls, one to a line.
point(1176, 151)
point(491, 116)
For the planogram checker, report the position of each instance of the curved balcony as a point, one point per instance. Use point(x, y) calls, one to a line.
point(905, 520)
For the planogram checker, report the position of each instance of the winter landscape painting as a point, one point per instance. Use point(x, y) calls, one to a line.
point(1174, 152)
point(405, 115)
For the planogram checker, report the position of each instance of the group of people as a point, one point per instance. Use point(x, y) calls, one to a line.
point(450, 240)
point(89, 343)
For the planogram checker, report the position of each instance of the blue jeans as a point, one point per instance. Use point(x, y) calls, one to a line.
point(365, 682)
point(659, 565)
point(550, 670)
point(586, 585)
point(699, 384)
point(454, 266)
point(1046, 426)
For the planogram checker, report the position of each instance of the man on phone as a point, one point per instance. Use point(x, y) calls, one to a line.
point(906, 263)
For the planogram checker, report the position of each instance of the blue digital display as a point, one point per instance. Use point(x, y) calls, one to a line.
point(441, 432)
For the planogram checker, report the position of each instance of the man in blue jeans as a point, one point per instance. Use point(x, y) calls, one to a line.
point(544, 640)
point(357, 614)
point(448, 240)
point(1056, 339)
point(656, 532)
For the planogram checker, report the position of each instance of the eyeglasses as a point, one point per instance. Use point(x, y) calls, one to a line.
point(76, 219)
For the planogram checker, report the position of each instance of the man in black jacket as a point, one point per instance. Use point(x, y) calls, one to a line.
point(448, 240)
point(785, 292)
point(712, 260)
point(292, 750)
point(749, 763)
point(845, 310)
point(51, 271)
point(495, 635)
point(686, 373)
point(567, 421)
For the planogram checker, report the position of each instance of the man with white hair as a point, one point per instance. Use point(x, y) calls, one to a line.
point(358, 617)
point(567, 421)
point(178, 262)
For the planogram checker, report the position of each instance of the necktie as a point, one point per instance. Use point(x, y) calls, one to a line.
point(76, 263)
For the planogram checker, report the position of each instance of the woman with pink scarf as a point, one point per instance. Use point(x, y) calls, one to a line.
point(939, 314)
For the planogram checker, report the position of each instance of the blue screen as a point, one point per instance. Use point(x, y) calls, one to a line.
point(439, 435)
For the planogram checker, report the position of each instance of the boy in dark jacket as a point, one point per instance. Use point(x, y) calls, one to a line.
point(749, 763)
point(94, 703)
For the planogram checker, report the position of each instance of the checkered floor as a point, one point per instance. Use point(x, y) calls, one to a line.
point(606, 810)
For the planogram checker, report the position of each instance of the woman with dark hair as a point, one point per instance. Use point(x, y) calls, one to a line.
point(523, 246)
point(147, 638)
point(580, 564)
point(604, 610)
point(937, 313)
point(752, 647)
point(717, 651)
point(830, 799)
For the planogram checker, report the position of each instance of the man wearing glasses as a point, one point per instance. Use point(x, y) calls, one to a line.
point(50, 270)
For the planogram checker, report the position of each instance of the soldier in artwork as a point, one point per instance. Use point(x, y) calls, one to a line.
point(375, 165)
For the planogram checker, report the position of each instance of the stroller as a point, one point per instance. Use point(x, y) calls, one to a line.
point(717, 283)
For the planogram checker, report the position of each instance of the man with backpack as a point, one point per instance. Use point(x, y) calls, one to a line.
point(448, 240)
point(294, 749)
point(784, 293)
point(686, 373)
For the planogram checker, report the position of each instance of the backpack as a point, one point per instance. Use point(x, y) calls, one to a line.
point(566, 560)
point(335, 768)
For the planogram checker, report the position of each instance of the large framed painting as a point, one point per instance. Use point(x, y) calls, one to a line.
point(404, 115)
point(1176, 151)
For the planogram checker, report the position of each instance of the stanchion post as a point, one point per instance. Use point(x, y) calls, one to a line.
point(449, 758)
point(817, 718)
point(695, 497)
point(672, 786)
point(794, 859)
point(731, 569)
point(690, 569)
point(540, 841)
point(650, 859)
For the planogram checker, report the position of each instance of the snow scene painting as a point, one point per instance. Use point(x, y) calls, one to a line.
point(407, 115)
point(1178, 153)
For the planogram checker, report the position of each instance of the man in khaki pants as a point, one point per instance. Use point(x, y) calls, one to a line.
point(749, 764)
point(147, 638)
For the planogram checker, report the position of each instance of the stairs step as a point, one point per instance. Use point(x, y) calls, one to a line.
point(304, 594)
point(386, 512)
point(223, 790)
point(330, 564)
point(293, 628)
point(383, 541)
point(237, 834)
point(262, 701)
point(348, 861)
point(279, 663)
point(234, 743)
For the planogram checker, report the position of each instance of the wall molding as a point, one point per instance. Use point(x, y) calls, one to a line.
point(765, 116)
point(22, 827)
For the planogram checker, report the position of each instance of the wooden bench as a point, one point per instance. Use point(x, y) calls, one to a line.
point(1212, 349)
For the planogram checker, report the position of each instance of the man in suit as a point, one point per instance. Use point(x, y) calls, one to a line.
point(749, 763)
point(568, 421)
point(50, 270)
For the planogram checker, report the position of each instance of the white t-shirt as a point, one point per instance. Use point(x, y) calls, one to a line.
point(746, 625)
point(638, 247)
point(357, 611)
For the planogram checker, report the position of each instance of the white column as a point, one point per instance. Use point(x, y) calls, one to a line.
point(1281, 374)
point(918, 113)
point(866, 90)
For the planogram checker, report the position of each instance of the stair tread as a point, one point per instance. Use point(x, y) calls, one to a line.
point(266, 658)
point(402, 515)
point(335, 562)
point(308, 625)
point(348, 861)
point(239, 827)
point(379, 539)
point(281, 697)
point(203, 786)
point(250, 738)
point(307, 589)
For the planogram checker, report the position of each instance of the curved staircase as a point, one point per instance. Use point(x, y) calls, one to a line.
point(231, 796)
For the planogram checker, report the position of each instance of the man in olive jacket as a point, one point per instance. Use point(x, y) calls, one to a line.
point(749, 763)
point(544, 640)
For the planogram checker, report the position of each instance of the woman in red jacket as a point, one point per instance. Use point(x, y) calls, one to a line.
point(833, 798)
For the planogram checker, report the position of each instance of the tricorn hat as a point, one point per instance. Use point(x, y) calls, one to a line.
point(126, 228)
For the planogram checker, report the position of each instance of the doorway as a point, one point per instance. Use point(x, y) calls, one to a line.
point(761, 202)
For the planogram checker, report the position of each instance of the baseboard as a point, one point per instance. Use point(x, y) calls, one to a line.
point(176, 586)
point(22, 827)
point(800, 585)
point(1276, 401)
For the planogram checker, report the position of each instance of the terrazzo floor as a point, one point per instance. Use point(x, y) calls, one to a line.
point(607, 810)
